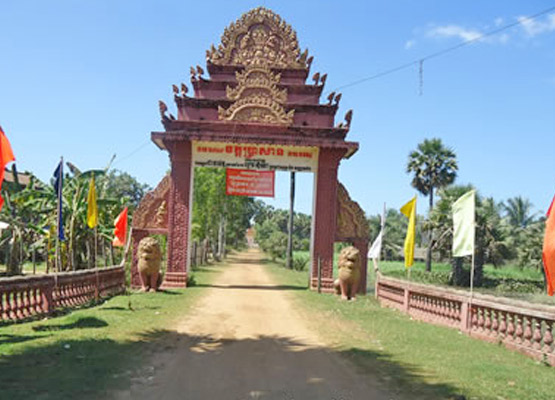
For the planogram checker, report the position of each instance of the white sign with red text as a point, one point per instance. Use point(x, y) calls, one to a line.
point(269, 157)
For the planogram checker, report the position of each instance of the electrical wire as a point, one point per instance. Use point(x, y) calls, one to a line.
point(143, 145)
point(440, 53)
point(419, 62)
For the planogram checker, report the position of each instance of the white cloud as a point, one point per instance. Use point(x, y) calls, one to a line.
point(454, 31)
point(530, 28)
point(534, 27)
point(409, 44)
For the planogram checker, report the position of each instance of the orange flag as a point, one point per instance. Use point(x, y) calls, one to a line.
point(120, 231)
point(549, 249)
point(6, 156)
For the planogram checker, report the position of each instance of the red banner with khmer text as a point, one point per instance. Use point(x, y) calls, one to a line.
point(248, 182)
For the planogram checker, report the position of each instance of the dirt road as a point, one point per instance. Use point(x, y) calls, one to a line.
point(245, 341)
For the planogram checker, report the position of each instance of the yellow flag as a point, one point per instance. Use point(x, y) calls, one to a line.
point(409, 210)
point(92, 209)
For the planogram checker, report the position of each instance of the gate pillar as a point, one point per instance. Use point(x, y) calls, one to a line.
point(324, 214)
point(362, 246)
point(179, 209)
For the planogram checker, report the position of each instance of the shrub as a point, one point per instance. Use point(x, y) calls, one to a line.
point(300, 262)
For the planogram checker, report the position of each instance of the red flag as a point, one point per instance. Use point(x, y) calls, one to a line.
point(6, 156)
point(120, 230)
point(548, 254)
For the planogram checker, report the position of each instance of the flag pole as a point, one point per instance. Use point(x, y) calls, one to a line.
point(472, 263)
point(95, 246)
point(469, 321)
point(97, 291)
point(58, 259)
point(127, 246)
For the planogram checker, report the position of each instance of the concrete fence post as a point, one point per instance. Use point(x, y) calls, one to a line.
point(47, 298)
point(406, 299)
point(465, 311)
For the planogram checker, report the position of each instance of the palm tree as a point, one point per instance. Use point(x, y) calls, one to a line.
point(518, 212)
point(491, 241)
point(433, 166)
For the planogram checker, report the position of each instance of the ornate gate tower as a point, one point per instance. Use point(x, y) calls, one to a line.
point(254, 110)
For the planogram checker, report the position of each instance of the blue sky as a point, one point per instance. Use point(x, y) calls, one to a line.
point(82, 79)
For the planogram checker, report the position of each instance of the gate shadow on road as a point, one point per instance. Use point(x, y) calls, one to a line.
point(206, 367)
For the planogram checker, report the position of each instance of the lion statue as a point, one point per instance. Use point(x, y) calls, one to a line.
point(150, 259)
point(349, 273)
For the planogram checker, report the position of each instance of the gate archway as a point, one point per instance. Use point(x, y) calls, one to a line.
point(254, 110)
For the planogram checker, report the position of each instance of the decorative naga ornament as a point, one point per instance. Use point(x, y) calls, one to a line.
point(259, 37)
point(256, 98)
point(152, 210)
point(351, 220)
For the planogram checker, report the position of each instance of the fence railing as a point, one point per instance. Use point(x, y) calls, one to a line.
point(22, 297)
point(521, 326)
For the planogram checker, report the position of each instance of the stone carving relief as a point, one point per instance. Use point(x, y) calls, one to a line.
point(259, 37)
point(257, 98)
point(351, 220)
point(152, 210)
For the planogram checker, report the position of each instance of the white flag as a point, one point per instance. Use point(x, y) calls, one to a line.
point(376, 248)
point(463, 225)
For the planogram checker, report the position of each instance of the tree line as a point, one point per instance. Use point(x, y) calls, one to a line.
point(505, 231)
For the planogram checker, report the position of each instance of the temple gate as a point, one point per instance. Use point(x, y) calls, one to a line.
point(254, 110)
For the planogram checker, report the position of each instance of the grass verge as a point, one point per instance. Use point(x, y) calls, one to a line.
point(90, 352)
point(415, 359)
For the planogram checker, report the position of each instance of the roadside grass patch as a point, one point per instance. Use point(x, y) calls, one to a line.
point(416, 359)
point(91, 352)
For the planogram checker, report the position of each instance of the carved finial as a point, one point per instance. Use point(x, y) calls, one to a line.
point(338, 99)
point(323, 79)
point(200, 71)
point(163, 109)
point(303, 56)
point(349, 117)
point(184, 89)
point(193, 73)
point(175, 90)
point(309, 61)
point(330, 98)
point(316, 78)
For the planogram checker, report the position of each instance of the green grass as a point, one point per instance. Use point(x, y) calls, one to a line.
point(90, 351)
point(414, 358)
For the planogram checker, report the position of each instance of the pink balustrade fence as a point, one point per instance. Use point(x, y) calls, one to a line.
point(22, 297)
point(521, 326)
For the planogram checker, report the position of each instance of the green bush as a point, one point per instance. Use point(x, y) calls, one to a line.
point(276, 245)
point(433, 278)
point(505, 285)
point(300, 262)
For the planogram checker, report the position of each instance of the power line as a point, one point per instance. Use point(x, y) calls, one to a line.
point(144, 144)
point(421, 60)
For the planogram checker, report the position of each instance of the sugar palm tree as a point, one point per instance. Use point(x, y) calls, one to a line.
point(519, 212)
point(433, 166)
